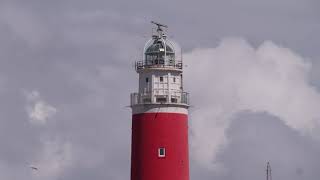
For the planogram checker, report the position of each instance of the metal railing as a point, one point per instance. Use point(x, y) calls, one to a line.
point(140, 65)
point(181, 98)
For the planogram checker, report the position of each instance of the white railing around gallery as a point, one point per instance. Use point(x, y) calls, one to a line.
point(165, 97)
point(140, 65)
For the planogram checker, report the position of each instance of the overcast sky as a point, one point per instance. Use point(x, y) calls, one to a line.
point(66, 72)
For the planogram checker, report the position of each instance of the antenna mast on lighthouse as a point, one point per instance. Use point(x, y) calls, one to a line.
point(159, 25)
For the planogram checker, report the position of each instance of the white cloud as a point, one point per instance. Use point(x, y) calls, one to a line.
point(38, 110)
point(235, 77)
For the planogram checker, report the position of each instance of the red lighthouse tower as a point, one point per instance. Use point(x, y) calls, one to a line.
point(159, 114)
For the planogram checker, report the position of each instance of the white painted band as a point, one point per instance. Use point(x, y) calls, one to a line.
point(146, 109)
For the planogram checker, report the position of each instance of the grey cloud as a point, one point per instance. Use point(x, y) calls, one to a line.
point(269, 79)
point(258, 138)
point(79, 54)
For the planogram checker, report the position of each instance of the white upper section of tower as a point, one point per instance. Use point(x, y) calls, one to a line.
point(160, 74)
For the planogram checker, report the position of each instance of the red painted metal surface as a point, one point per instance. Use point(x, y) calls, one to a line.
point(151, 131)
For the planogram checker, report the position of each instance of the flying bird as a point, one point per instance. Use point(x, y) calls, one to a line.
point(34, 168)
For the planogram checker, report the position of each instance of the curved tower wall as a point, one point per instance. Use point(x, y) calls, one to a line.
point(160, 127)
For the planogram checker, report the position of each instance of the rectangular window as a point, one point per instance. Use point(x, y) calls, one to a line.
point(161, 79)
point(147, 100)
point(161, 100)
point(162, 152)
point(174, 79)
point(174, 100)
point(147, 80)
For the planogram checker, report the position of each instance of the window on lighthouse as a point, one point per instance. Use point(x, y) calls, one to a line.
point(161, 79)
point(162, 152)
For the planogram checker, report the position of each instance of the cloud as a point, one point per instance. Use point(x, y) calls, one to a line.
point(38, 110)
point(236, 77)
point(23, 24)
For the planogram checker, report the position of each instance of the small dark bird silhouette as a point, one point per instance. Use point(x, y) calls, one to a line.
point(34, 168)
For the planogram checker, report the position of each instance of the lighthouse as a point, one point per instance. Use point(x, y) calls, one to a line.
point(159, 149)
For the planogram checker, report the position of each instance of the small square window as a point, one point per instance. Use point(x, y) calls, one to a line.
point(161, 79)
point(162, 152)
point(147, 80)
point(174, 100)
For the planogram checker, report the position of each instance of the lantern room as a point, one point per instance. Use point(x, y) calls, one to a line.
point(159, 52)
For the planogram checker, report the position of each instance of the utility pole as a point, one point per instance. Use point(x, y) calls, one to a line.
point(269, 176)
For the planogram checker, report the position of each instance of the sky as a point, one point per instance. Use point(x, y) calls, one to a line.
point(251, 66)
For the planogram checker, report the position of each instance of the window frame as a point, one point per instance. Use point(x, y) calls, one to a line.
point(161, 149)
